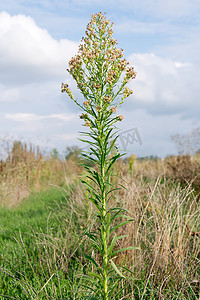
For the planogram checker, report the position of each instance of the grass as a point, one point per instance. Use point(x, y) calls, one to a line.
point(25, 170)
point(29, 234)
point(41, 239)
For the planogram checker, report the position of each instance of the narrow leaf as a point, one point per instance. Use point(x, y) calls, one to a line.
point(120, 225)
point(96, 276)
point(124, 249)
point(116, 269)
point(91, 259)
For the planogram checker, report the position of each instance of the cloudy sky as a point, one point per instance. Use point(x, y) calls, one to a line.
point(161, 39)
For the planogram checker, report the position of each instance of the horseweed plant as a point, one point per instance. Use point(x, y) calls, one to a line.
point(101, 74)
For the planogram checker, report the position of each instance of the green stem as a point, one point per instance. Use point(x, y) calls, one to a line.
point(104, 221)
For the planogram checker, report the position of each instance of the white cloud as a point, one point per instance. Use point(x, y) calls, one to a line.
point(66, 136)
point(131, 26)
point(24, 117)
point(155, 131)
point(26, 48)
point(178, 64)
point(164, 8)
point(9, 94)
point(163, 85)
point(32, 66)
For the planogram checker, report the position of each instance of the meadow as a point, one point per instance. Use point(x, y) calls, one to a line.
point(45, 210)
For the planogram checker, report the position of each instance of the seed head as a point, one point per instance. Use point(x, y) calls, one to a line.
point(113, 109)
point(98, 108)
point(120, 117)
point(87, 123)
point(108, 99)
point(83, 116)
point(86, 103)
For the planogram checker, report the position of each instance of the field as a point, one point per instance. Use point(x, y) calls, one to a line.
point(45, 210)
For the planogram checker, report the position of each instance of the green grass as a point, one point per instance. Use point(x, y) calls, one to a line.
point(41, 251)
point(32, 213)
point(29, 235)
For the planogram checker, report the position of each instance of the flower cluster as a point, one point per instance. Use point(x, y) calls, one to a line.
point(101, 74)
point(84, 116)
point(108, 99)
point(130, 73)
point(99, 67)
point(98, 108)
point(127, 92)
point(86, 103)
point(113, 109)
point(65, 88)
point(87, 123)
point(120, 117)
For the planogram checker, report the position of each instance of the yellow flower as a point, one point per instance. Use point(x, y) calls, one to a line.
point(97, 86)
point(83, 116)
point(108, 99)
point(87, 123)
point(98, 108)
point(86, 103)
point(113, 109)
point(120, 117)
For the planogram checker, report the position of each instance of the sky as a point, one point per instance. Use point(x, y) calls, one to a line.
point(161, 39)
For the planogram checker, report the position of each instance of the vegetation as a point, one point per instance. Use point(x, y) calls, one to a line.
point(102, 75)
point(63, 238)
point(24, 169)
point(42, 237)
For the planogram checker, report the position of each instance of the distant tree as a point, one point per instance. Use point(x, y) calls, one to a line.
point(187, 143)
point(73, 153)
point(55, 153)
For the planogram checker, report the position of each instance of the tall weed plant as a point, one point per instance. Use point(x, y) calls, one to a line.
point(101, 74)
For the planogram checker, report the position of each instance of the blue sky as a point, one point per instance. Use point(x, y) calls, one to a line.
point(160, 39)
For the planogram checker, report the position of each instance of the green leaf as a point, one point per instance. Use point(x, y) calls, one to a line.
point(95, 153)
point(115, 215)
point(115, 238)
point(120, 208)
point(87, 286)
point(95, 202)
point(93, 237)
point(96, 276)
point(89, 158)
point(110, 249)
point(124, 249)
point(112, 161)
point(91, 178)
point(112, 144)
point(120, 225)
point(97, 177)
point(88, 185)
point(113, 287)
point(108, 227)
point(91, 260)
point(93, 112)
point(122, 236)
point(116, 269)
point(96, 246)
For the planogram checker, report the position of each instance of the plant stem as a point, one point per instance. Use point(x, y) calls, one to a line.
point(101, 74)
point(104, 213)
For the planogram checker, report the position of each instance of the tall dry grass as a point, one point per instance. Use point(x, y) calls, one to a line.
point(25, 169)
point(166, 229)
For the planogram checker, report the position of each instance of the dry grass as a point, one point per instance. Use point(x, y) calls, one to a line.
point(166, 229)
point(26, 170)
point(184, 169)
point(163, 201)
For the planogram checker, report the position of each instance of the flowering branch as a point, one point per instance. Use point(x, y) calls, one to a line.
point(101, 74)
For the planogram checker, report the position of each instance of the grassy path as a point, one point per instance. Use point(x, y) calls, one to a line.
point(37, 214)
